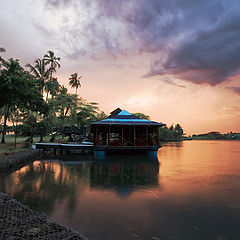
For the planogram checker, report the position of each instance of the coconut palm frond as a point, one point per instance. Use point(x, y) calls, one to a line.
point(33, 70)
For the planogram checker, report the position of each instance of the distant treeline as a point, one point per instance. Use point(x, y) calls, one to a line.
point(217, 136)
point(173, 133)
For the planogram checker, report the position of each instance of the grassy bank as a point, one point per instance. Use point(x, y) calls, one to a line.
point(8, 148)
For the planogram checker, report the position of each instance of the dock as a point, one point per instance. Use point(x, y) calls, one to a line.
point(65, 147)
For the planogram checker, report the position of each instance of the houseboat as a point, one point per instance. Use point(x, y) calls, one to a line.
point(122, 132)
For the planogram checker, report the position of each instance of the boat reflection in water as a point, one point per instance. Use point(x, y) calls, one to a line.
point(124, 176)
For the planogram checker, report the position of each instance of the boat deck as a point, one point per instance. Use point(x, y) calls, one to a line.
point(66, 146)
point(91, 147)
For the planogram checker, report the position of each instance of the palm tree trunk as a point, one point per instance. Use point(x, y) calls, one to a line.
point(15, 141)
point(47, 97)
point(51, 73)
point(5, 124)
point(41, 137)
point(32, 133)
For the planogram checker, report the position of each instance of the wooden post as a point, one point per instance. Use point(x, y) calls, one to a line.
point(153, 139)
point(147, 135)
point(158, 137)
point(109, 134)
point(134, 135)
point(122, 136)
point(96, 136)
point(129, 135)
point(106, 136)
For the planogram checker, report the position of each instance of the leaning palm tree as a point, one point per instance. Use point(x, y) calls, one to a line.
point(40, 73)
point(74, 81)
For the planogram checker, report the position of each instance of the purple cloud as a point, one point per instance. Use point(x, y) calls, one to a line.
point(234, 89)
point(57, 3)
point(197, 41)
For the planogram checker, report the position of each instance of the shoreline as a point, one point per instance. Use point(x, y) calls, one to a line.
point(17, 160)
point(18, 221)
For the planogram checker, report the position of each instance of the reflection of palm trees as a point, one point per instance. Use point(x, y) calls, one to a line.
point(44, 184)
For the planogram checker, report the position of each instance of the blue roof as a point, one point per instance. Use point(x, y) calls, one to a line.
point(126, 118)
point(125, 113)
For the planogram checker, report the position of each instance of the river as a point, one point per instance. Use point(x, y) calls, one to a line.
point(191, 192)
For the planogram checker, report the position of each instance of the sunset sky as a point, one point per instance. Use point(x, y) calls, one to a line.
point(177, 61)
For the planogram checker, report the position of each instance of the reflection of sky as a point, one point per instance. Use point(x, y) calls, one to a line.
point(193, 193)
point(205, 165)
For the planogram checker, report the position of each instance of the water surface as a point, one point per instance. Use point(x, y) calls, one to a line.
point(191, 192)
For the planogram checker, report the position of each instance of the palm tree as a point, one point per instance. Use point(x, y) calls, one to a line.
point(65, 104)
point(51, 59)
point(40, 72)
point(74, 81)
point(1, 50)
